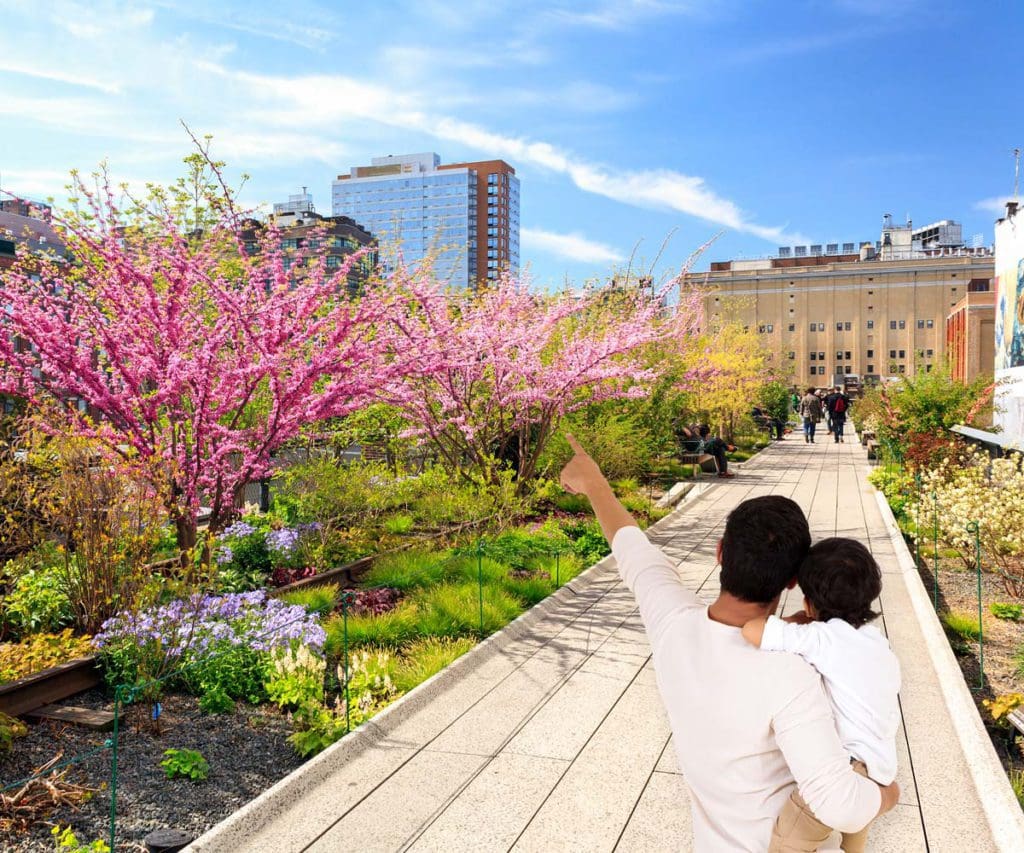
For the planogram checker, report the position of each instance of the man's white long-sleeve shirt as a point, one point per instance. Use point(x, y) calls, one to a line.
point(746, 725)
point(862, 680)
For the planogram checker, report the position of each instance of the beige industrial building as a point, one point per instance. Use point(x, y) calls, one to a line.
point(869, 310)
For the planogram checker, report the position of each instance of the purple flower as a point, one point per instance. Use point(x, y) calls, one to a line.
point(223, 555)
point(239, 528)
point(283, 541)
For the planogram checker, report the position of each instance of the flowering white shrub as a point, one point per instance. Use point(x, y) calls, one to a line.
point(973, 488)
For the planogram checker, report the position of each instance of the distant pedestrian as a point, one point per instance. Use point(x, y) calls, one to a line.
point(838, 405)
point(810, 411)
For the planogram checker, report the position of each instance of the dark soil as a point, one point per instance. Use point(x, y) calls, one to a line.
point(247, 752)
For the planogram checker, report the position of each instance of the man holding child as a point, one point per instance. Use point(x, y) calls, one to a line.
point(750, 727)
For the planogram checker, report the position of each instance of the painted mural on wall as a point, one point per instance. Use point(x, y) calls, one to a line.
point(1009, 366)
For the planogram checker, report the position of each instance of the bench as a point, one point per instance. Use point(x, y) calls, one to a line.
point(872, 449)
point(866, 436)
point(697, 460)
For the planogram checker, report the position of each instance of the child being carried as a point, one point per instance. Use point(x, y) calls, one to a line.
point(840, 580)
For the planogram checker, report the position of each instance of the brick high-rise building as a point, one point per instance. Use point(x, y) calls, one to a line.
point(873, 309)
point(464, 214)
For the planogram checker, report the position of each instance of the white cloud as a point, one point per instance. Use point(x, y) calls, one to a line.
point(12, 65)
point(996, 204)
point(573, 246)
point(326, 101)
point(623, 14)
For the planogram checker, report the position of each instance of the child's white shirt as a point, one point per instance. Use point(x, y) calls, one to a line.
point(862, 680)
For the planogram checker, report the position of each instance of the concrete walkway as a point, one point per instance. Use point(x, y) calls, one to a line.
point(551, 735)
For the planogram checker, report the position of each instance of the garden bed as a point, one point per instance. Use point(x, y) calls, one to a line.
point(1003, 648)
point(247, 752)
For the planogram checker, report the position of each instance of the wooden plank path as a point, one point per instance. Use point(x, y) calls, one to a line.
point(551, 736)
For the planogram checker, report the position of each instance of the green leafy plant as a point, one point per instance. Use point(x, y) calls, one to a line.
point(965, 627)
point(588, 542)
point(316, 599)
point(40, 651)
point(1011, 612)
point(185, 764)
point(10, 729)
point(215, 700)
point(66, 839)
point(316, 728)
point(398, 525)
point(38, 600)
point(1016, 776)
point(295, 678)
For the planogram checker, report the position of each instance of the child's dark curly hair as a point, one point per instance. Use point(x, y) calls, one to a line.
point(841, 579)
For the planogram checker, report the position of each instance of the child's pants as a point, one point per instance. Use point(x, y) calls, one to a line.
point(797, 830)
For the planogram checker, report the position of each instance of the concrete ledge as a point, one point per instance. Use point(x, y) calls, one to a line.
point(232, 833)
point(1005, 818)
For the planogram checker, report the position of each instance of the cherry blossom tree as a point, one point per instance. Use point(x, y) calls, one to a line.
point(188, 353)
point(507, 363)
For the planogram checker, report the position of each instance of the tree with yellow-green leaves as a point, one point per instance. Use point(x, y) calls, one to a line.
point(732, 366)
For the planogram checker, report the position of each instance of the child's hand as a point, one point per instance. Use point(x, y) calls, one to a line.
point(753, 631)
point(799, 618)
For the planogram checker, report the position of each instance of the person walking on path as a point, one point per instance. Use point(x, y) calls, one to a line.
point(838, 405)
point(810, 411)
point(749, 728)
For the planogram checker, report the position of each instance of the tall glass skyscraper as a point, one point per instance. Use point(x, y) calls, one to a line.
point(466, 215)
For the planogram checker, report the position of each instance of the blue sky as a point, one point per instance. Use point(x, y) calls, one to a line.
point(628, 121)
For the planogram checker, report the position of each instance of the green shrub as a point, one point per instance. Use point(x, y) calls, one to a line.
point(452, 610)
point(1016, 777)
point(316, 728)
point(618, 442)
point(38, 601)
point(425, 658)
point(316, 599)
point(67, 842)
point(390, 629)
point(40, 651)
point(588, 542)
point(185, 764)
point(963, 626)
point(398, 525)
point(1011, 612)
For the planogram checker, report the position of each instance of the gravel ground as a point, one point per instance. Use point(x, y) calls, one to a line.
point(247, 752)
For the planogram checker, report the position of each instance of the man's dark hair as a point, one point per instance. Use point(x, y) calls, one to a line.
point(810, 390)
point(704, 430)
point(764, 543)
point(840, 579)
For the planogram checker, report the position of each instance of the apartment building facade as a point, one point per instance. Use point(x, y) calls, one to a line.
point(463, 215)
point(874, 313)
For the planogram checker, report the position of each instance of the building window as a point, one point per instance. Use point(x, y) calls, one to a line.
point(849, 369)
point(792, 327)
point(892, 325)
point(847, 327)
point(871, 324)
point(849, 355)
point(871, 353)
point(929, 324)
point(892, 367)
point(814, 327)
point(821, 356)
point(839, 356)
point(903, 324)
point(821, 327)
point(920, 324)
point(839, 327)
point(871, 368)
point(792, 355)
point(814, 356)
point(929, 353)
point(902, 368)
point(927, 368)
point(903, 353)
point(766, 328)
point(892, 353)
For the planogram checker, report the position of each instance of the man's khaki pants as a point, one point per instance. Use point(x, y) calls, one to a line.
point(797, 830)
